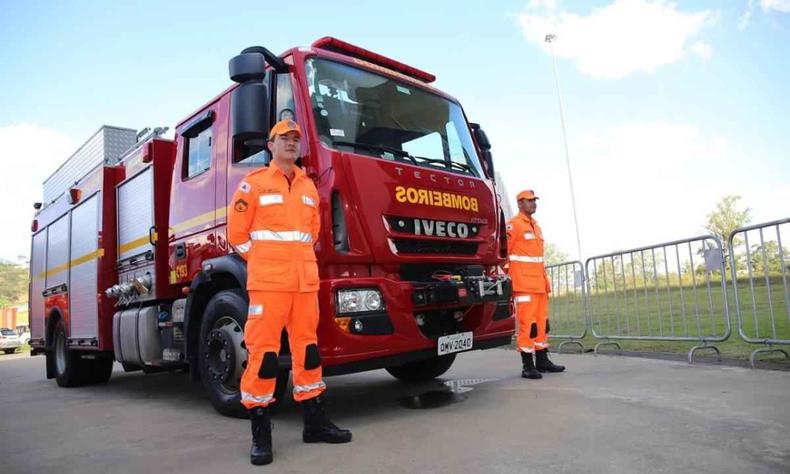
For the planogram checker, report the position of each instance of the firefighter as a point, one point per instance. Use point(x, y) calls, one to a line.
point(273, 223)
point(531, 288)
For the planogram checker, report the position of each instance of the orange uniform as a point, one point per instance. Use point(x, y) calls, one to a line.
point(530, 283)
point(273, 223)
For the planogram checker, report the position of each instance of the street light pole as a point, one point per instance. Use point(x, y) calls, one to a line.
point(550, 38)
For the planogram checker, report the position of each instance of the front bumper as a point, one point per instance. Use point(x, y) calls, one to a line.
point(10, 344)
point(416, 313)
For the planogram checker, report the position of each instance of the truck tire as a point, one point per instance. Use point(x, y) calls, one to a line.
point(222, 357)
point(97, 370)
point(422, 370)
point(9, 351)
point(67, 363)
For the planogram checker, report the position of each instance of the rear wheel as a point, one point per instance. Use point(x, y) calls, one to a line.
point(422, 370)
point(222, 356)
point(68, 365)
point(9, 351)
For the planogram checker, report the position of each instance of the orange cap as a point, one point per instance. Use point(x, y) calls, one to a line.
point(527, 194)
point(284, 126)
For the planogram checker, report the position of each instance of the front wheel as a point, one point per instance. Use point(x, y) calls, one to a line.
point(423, 370)
point(9, 351)
point(222, 356)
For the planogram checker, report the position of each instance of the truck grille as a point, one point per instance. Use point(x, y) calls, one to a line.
point(421, 247)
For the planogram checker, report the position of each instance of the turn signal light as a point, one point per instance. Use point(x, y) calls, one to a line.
point(34, 225)
point(343, 324)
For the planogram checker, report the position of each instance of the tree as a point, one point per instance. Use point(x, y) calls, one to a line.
point(768, 259)
point(552, 255)
point(724, 219)
point(13, 283)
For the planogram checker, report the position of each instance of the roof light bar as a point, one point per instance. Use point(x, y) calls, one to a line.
point(333, 44)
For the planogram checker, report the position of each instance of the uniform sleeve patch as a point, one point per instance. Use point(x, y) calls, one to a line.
point(240, 205)
point(245, 187)
point(509, 227)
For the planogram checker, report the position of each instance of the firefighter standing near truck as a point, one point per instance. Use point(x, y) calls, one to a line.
point(531, 288)
point(273, 224)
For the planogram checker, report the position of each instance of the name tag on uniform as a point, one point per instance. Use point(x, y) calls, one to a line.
point(308, 200)
point(269, 199)
point(529, 236)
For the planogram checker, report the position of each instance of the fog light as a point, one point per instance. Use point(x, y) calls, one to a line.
point(420, 319)
point(358, 326)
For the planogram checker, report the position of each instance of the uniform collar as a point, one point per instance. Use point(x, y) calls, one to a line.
point(274, 169)
point(524, 217)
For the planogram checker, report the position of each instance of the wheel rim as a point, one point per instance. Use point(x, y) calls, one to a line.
point(225, 357)
point(60, 353)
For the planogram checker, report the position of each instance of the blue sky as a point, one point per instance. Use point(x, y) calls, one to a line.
point(669, 106)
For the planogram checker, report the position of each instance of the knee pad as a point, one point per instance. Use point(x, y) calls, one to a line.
point(548, 326)
point(312, 359)
point(533, 330)
point(269, 366)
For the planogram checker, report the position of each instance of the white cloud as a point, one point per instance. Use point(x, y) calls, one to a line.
point(30, 154)
point(782, 6)
point(767, 6)
point(635, 184)
point(702, 49)
point(620, 39)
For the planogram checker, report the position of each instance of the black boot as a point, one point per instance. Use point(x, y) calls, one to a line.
point(528, 368)
point(543, 363)
point(318, 428)
point(261, 450)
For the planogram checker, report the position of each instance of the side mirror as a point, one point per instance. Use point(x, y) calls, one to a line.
point(250, 105)
point(485, 148)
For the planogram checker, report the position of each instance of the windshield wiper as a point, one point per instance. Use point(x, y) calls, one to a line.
point(461, 166)
point(379, 148)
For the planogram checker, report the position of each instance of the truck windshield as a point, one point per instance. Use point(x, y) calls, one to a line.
point(377, 116)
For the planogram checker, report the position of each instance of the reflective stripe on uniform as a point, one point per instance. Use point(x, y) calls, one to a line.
point(268, 199)
point(283, 236)
point(541, 345)
point(248, 397)
point(309, 387)
point(525, 258)
point(244, 248)
point(523, 299)
point(255, 310)
point(528, 350)
point(529, 236)
point(308, 200)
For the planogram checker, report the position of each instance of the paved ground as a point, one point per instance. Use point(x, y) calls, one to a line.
point(607, 414)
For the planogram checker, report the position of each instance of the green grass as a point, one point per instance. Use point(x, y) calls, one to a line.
point(679, 311)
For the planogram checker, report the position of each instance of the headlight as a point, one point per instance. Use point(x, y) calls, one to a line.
point(354, 301)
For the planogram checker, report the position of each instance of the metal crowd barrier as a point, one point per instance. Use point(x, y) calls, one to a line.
point(567, 303)
point(760, 269)
point(673, 291)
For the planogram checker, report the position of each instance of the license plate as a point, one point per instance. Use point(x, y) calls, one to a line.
point(454, 343)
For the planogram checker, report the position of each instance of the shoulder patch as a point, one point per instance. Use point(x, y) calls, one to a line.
point(510, 227)
point(241, 205)
point(245, 187)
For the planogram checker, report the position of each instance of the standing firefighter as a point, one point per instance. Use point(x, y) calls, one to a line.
point(531, 287)
point(273, 223)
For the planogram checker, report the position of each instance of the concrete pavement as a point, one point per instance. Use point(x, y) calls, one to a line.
point(606, 414)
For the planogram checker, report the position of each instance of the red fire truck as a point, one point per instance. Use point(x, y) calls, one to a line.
point(131, 263)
